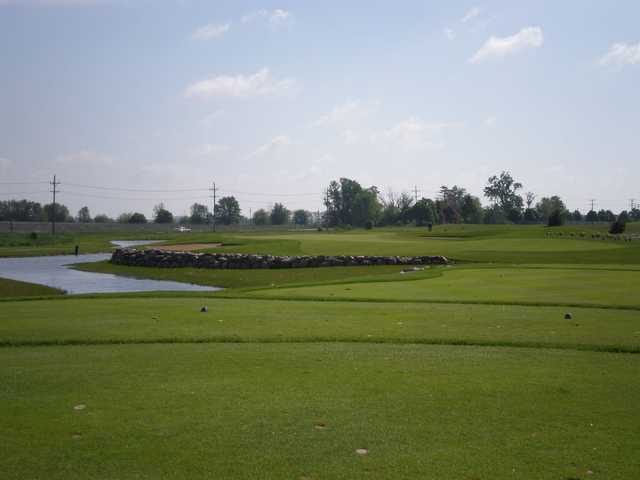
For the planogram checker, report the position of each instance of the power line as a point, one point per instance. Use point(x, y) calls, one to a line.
point(24, 183)
point(142, 190)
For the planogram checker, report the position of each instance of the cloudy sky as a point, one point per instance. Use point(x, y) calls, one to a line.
point(272, 100)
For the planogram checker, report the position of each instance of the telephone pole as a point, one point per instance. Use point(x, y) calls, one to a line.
point(593, 201)
point(213, 219)
point(415, 192)
point(632, 204)
point(54, 185)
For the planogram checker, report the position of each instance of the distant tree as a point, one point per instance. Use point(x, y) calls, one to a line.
point(531, 216)
point(624, 217)
point(635, 214)
point(503, 191)
point(576, 216)
point(161, 214)
point(84, 216)
point(137, 217)
point(228, 210)
point(547, 205)
point(591, 216)
point(494, 215)
point(471, 209)
point(556, 218)
point(424, 212)
point(199, 214)
point(124, 217)
point(21, 211)
point(102, 218)
point(301, 217)
point(279, 214)
point(260, 217)
point(530, 197)
point(61, 212)
point(365, 208)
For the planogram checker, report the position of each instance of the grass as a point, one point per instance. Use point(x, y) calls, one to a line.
point(169, 320)
point(13, 288)
point(291, 371)
point(253, 411)
point(542, 286)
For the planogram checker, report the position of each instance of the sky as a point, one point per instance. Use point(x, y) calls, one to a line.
point(135, 102)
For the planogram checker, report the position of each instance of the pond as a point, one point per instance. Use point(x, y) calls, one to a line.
point(54, 271)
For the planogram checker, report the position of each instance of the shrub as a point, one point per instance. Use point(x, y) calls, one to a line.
point(556, 218)
point(617, 227)
point(33, 235)
point(368, 225)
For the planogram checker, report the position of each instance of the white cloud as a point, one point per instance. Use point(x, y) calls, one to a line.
point(490, 122)
point(274, 145)
point(414, 133)
point(50, 3)
point(84, 158)
point(207, 32)
point(347, 113)
point(276, 18)
point(621, 54)
point(258, 84)
point(499, 47)
point(471, 14)
point(449, 33)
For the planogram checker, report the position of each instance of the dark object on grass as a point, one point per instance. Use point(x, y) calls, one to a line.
point(430, 226)
point(77, 250)
point(617, 227)
point(568, 316)
point(204, 309)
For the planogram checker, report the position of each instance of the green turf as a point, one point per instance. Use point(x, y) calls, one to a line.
point(493, 285)
point(13, 288)
point(139, 320)
point(253, 411)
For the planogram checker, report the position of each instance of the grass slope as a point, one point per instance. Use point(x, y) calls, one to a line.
point(13, 288)
point(139, 320)
point(252, 411)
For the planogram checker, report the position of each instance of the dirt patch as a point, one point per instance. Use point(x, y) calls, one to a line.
point(187, 247)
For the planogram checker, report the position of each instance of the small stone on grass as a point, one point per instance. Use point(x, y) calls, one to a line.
point(362, 451)
point(81, 406)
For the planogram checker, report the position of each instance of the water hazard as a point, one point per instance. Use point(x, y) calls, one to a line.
point(54, 271)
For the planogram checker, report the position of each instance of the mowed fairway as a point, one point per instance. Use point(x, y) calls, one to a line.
point(472, 371)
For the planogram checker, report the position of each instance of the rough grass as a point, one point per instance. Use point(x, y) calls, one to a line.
point(251, 412)
point(166, 320)
point(13, 288)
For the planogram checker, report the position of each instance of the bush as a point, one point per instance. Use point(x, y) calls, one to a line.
point(33, 235)
point(617, 227)
point(368, 225)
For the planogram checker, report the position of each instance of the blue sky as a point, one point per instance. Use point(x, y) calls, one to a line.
point(282, 97)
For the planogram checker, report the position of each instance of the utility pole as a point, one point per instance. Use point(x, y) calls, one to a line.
point(213, 220)
point(54, 184)
point(593, 201)
point(415, 192)
point(632, 204)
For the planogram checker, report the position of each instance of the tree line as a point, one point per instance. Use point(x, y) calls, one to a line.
point(348, 203)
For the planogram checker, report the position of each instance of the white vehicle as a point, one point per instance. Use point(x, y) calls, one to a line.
point(183, 229)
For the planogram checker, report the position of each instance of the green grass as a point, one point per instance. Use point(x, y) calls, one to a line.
point(250, 412)
point(167, 320)
point(421, 369)
point(532, 286)
point(13, 288)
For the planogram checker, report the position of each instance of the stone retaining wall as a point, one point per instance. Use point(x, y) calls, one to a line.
point(169, 259)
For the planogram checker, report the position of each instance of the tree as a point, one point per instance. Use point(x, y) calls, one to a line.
point(624, 217)
point(365, 208)
point(61, 212)
point(161, 214)
point(83, 215)
point(137, 218)
point(301, 217)
point(279, 214)
point(635, 214)
point(228, 210)
point(424, 212)
point(503, 191)
point(102, 218)
point(471, 209)
point(20, 211)
point(260, 217)
point(494, 215)
point(199, 214)
point(530, 197)
point(591, 216)
point(618, 226)
point(347, 203)
point(547, 205)
point(556, 218)
point(576, 216)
